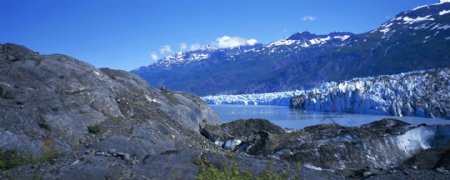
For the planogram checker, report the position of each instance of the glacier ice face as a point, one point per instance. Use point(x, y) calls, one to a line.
point(275, 98)
point(420, 93)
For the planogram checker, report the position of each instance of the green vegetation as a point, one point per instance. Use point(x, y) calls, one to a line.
point(208, 171)
point(110, 74)
point(11, 159)
point(94, 129)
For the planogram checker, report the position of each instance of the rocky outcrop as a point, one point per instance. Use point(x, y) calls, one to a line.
point(378, 145)
point(429, 164)
point(52, 101)
point(422, 93)
point(231, 135)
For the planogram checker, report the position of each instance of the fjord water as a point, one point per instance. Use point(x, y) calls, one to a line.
point(296, 119)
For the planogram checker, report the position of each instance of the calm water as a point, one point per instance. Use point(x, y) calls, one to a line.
point(292, 118)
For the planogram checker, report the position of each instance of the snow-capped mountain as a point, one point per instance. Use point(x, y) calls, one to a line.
point(306, 39)
point(417, 39)
point(204, 53)
point(187, 57)
point(419, 93)
point(428, 17)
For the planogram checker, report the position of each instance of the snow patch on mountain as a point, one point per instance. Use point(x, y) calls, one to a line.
point(441, 27)
point(342, 38)
point(420, 7)
point(306, 39)
point(409, 20)
point(188, 56)
point(443, 12)
point(283, 42)
point(385, 28)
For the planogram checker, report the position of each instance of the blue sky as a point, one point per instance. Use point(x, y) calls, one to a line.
point(126, 34)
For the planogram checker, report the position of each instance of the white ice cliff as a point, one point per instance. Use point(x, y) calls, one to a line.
point(275, 98)
point(419, 93)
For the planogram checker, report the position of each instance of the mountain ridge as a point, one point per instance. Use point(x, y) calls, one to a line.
point(417, 39)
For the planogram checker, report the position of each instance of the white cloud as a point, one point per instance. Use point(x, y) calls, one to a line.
point(196, 47)
point(230, 42)
point(252, 42)
point(165, 49)
point(309, 18)
point(183, 46)
point(220, 42)
point(154, 56)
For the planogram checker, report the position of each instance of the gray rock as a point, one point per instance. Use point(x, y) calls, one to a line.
point(56, 102)
point(127, 157)
point(112, 151)
point(7, 91)
point(51, 100)
point(100, 153)
point(380, 144)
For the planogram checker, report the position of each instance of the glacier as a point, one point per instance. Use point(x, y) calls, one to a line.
point(420, 93)
point(274, 98)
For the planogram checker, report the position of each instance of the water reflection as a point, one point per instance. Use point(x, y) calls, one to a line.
point(293, 118)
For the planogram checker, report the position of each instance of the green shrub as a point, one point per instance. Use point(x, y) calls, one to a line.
point(94, 129)
point(208, 171)
point(12, 159)
point(48, 156)
point(233, 172)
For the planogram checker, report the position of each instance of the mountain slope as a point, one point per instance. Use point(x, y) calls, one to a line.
point(414, 40)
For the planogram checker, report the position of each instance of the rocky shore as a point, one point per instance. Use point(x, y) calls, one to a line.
point(371, 149)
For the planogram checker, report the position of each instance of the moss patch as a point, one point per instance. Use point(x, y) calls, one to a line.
point(94, 129)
